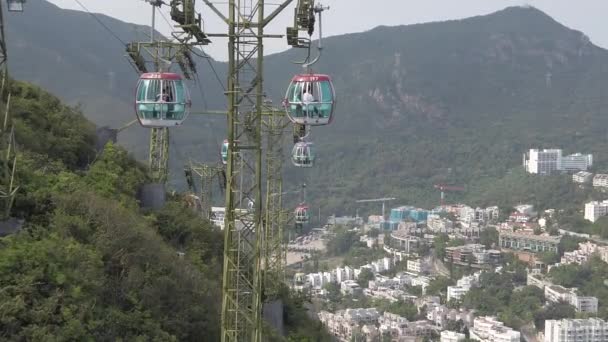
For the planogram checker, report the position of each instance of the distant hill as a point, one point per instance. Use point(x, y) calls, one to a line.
point(455, 102)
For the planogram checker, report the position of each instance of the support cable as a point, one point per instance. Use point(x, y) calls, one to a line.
point(101, 23)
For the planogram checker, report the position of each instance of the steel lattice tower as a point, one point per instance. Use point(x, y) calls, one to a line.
point(8, 155)
point(244, 244)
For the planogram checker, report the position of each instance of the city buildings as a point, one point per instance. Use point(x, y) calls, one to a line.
point(582, 177)
point(595, 209)
point(600, 180)
point(345, 221)
point(548, 161)
point(441, 315)
point(343, 324)
point(416, 266)
point(404, 242)
point(576, 162)
point(472, 254)
point(556, 293)
point(488, 328)
point(525, 241)
point(437, 224)
point(582, 254)
point(575, 330)
point(451, 336)
point(463, 285)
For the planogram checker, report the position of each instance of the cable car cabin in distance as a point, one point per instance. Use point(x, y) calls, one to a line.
point(224, 152)
point(301, 214)
point(310, 100)
point(162, 100)
point(303, 155)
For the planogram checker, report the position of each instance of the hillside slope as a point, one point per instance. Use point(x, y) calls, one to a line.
point(455, 101)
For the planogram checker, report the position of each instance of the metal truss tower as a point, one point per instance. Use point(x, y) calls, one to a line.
point(207, 175)
point(244, 230)
point(8, 155)
point(275, 216)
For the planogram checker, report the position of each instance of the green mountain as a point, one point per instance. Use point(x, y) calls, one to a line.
point(454, 102)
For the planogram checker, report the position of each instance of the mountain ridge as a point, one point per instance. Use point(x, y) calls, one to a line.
point(455, 101)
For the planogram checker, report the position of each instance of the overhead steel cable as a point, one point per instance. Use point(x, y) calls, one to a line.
point(101, 23)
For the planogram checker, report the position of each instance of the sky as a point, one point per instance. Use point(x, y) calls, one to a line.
point(348, 16)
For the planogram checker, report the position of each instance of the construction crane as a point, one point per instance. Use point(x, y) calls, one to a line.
point(443, 188)
point(383, 200)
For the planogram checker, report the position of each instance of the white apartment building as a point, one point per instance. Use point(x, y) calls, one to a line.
point(545, 162)
point(556, 293)
point(487, 214)
point(439, 225)
point(582, 254)
point(463, 285)
point(441, 315)
point(350, 287)
point(576, 330)
point(577, 162)
point(488, 328)
point(416, 266)
point(451, 336)
point(600, 180)
point(595, 209)
point(582, 177)
point(457, 292)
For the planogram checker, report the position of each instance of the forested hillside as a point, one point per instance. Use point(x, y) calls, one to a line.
point(453, 102)
point(88, 265)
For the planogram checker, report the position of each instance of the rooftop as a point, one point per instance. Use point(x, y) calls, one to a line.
point(559, 289)
point(531, 236)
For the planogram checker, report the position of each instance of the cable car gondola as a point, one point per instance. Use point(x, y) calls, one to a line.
point(162, 100)
point(301, 214)
point(224, 152)
point(303, 155)
point(310, 100)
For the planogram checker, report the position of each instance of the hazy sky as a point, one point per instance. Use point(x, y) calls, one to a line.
point(347, 16)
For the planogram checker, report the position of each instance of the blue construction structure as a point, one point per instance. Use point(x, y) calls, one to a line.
point(419, 215)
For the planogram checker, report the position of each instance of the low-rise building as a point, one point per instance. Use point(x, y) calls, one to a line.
point(600, 180)
point(343, 324)
point(582, 177)
point(472, 254)
point(581, 255)
point(416, 266)
point(556, 293)
point(596, 209)
point(402, 241)
point(463, 285)
point(489, 329)
point(345, 221)
point(441, 315)
point(575, 330)
point(451, 336)
point(350, 287)
point(436, 224)
point(537, 280)
point(528, 241)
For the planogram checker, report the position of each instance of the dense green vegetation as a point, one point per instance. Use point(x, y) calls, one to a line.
point(88, 264)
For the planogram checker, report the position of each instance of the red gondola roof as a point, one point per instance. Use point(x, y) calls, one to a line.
point(310, 77)
point(161, 75)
